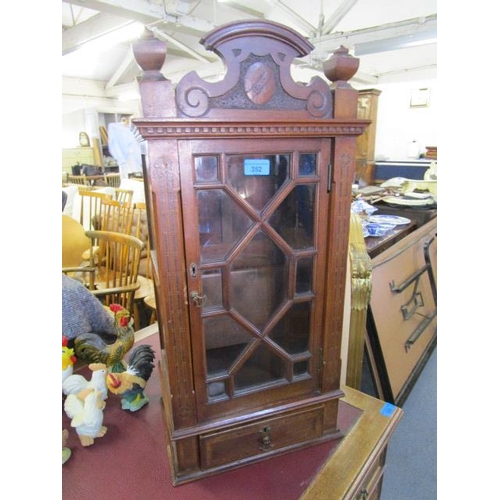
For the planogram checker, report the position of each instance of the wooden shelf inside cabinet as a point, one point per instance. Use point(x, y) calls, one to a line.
point(249, 189)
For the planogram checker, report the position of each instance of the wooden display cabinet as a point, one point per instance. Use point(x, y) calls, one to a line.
point(248, 184)
point(365, 143)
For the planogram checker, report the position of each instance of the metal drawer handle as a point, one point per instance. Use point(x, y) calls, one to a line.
point(419, 330)
point(363, 494)
point(412, 279)
point(266, 439)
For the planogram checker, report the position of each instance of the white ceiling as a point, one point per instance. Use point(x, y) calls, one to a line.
point(326, 23)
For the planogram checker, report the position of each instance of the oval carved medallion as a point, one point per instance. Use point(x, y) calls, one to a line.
point(259, 83)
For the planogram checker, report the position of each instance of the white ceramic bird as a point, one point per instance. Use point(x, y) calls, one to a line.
point(86, 411)
point(75, 383)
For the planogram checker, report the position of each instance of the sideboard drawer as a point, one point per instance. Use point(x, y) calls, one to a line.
point(260, 437)
point(372, 484)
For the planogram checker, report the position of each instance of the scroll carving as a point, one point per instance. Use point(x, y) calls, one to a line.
point(258, 75)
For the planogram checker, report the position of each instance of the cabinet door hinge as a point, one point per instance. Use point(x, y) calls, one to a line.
point(329, 178)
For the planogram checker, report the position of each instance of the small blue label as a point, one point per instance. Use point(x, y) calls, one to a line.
point(387, 410)
point(257, 166)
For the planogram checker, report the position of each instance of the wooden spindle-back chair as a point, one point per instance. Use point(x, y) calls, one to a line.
point(113, 180)
point(115, 216)
point(124, 195)
point(90, 207)
point(140, 230)
point(115, 267)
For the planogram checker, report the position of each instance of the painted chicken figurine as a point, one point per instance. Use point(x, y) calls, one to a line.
point(128, 380)
point(68, 359)
point(75, 383)
point(86, 410)
point(92, 348)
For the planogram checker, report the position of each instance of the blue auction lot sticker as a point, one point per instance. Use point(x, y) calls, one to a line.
point(257, 166)
point(387, 410)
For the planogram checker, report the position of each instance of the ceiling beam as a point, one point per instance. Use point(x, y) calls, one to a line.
point(242, 8)
point(339, 14)
point(184, 48)
point(391, 30)
point(127, 62)
point(147, 12)
point(96, 26)
point(304, 25)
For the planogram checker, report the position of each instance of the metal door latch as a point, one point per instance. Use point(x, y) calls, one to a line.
point(199, 300)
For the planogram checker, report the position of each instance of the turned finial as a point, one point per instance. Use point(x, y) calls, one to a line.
point(341, 66)
point(150, 54)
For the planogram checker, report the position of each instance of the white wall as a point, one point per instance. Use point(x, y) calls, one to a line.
point(398, 124)
point(82, 101)
point(72, 124)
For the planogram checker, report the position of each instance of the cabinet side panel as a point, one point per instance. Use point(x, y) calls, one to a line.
point(339, 217)
point(172, 305)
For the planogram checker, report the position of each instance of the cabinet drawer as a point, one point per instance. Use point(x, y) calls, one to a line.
point(260, 437)
point(370, 487)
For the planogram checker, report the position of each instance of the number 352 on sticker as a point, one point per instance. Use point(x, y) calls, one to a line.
point(257, 166)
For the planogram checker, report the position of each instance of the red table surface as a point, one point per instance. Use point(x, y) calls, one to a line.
point(131, 461)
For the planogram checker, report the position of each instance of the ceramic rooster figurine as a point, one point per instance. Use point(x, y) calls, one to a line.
point(86, 412)
point(129, 380)
point(75, 383)
point(66, 452)
point(91, 348)
point(68, 359)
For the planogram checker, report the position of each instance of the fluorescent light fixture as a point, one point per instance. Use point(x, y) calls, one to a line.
point(396, 43)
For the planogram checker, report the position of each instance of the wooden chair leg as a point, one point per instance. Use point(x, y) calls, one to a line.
point(137, 315)
point(150, 302)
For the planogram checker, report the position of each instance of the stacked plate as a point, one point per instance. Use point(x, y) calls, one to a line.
point(380, 225)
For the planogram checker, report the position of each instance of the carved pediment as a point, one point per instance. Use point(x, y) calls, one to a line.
point(258, 57)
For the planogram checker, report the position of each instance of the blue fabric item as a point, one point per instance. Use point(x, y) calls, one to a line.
point(82, 312)
point(123, 147)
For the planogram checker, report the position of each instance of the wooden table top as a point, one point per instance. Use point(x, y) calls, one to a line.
point(131, 460)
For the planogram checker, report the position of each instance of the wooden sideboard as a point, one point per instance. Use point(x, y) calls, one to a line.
point(401, 328)
point(365, 143)
point(356, 469)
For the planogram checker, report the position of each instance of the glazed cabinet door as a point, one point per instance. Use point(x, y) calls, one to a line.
point(255, 223)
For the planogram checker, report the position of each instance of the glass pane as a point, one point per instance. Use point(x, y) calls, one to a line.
point(303, 282)
point(307, 164)
point(292, 331)
point(212, 289)
point(221, 223)
point(294, 218)
point(258, 280)
point(216, 390)
point(261, 368)
point(257, 178)
point(225, 340)
point(300, 368)
point(206, 168)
